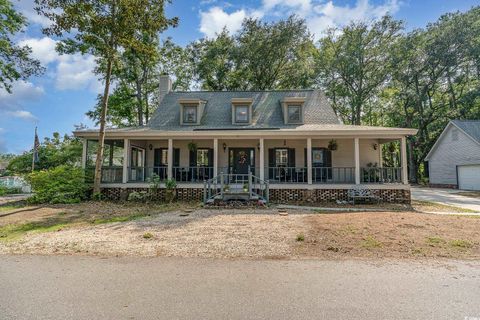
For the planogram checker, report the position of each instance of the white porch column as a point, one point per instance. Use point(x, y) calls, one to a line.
point(309, 161)
point(380, 155)
point(403, 151)
point(357, 161)
point(262, 158)
point(84, 153)
point(215, 157)
point(170, 159)
point(126, 159)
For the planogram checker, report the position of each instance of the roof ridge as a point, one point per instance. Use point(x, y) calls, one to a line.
point(239, 91)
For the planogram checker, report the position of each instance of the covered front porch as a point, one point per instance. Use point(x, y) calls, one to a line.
point(276, 160)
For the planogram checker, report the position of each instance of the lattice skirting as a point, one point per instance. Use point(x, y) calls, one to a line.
point(276, 195)
point(329, 195)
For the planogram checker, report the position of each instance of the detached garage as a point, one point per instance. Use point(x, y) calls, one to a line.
point(469, 177)
point(454, 160)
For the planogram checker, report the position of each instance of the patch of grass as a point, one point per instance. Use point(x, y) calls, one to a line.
point(350, 229)
point(334, 249)
point(370, 242)
point(147, 235)
point(462, 244)
point(15, 231)
point(300, 237)
point(10, 207)
point(432, 241)
point(418, 251)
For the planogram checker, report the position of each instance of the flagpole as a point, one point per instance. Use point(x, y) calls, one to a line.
point(34, 150)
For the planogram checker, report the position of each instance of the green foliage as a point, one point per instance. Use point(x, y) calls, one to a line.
point(53, 152)
point(62, 184)
point(354, 64)
point(170, 184)
point(260, 56)
point(15, 61)
point(300, 237)
point(147, 235)
point(139, 196)
point(4, 190)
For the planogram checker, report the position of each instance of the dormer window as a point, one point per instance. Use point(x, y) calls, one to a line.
point(191, 111)
point(294, 114)
point(242, 111)
point(293, 109)
point(241, 114)
point(190, 114)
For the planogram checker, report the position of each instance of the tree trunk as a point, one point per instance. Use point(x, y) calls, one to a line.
point(101, 134)
point(139, 102)
point(412, 164)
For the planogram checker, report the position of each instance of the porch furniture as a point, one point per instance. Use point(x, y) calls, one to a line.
point(361, 193)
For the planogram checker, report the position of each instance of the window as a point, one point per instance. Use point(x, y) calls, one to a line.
point(294, 114)
point(136, 157)
point(112, 155)
point(189, 114)
point(241, 114)
point(202, 158)
point(281, 157)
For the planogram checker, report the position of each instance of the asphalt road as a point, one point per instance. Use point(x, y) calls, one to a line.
point(66, 287)
point(446, 196)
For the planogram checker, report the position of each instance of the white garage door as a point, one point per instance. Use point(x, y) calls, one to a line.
point(469, 177)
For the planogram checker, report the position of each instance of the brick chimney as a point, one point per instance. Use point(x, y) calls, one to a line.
point(165, 85)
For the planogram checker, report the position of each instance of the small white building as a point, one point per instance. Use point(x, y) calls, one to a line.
point(454, 160)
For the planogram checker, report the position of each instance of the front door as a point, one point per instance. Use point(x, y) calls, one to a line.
point(241, 159)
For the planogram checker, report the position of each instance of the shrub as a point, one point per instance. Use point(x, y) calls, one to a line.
point(62, 184)
point(300, 237)
point(5, 190)
point(138, 196)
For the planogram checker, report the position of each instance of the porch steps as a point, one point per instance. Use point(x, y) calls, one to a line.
point(225, 188)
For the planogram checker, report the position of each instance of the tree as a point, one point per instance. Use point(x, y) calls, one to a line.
point(354, 64)
point(53, 152)
point(135, 95)
point(15, 61)
point(261, 56)
point(104, 28)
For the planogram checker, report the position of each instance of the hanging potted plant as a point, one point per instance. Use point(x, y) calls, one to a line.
point(192, 146)
point(332, 145)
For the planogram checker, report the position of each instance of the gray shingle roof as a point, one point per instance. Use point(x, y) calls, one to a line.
point(471, 127)
point(267, 111)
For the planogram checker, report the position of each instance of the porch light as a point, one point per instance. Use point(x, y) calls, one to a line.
point(375, 146)
point(224, 146)
point(150, 147)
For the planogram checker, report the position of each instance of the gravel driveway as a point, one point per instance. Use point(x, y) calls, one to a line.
point(446, 196)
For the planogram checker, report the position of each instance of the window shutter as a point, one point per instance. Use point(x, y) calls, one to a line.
point(271, 163)
point(327, 154)
point(176, 157)
point(157, 157)
point(305, 162)
point(210, 157)
point(271, 157)
point(193, 158)
point(291, 158)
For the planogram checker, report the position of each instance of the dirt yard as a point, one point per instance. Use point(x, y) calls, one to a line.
point(188, 230)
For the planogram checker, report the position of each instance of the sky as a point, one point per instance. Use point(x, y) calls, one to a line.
point(59, 99)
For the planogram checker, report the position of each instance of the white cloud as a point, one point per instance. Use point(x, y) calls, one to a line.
point(302, 4)
point(13, 104)
point(76, 72)
point(22, 114)
point(42, 49)
point(215, 19)
point(327, 15)
point(320, 15)
point(26, 7)
point(70, 72)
